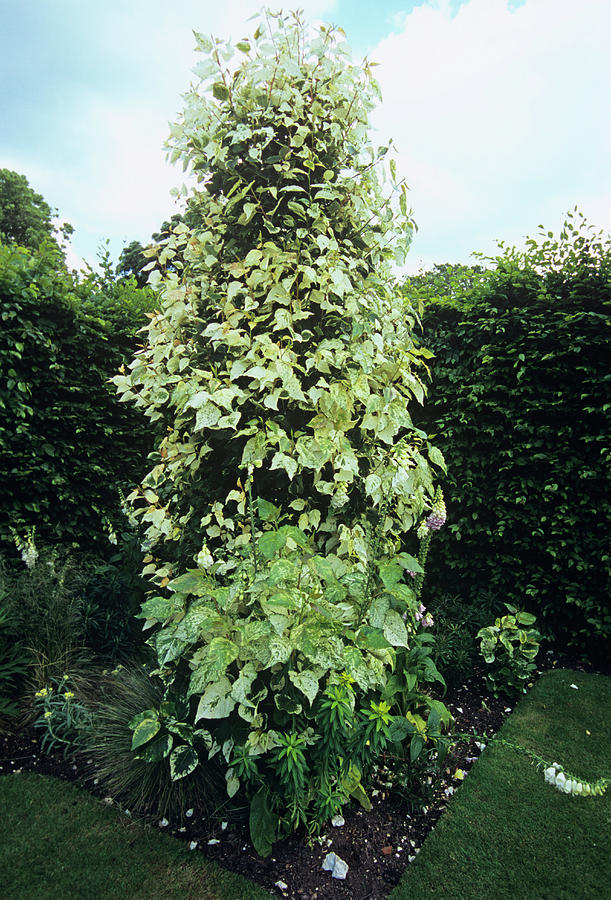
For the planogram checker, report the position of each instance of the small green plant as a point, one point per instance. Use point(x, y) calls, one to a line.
point(61, 717)
point(509, 648)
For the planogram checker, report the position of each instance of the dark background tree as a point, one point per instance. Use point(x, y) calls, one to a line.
point(132, 258)
point(25, 216)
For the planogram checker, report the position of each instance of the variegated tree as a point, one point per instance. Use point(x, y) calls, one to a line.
point(283, 366)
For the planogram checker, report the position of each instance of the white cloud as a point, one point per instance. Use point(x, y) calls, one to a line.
point(99, 154)
point(501, 118)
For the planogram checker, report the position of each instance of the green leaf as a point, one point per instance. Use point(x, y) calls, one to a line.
point(241, 687)
point(182, 729)
point(399, 729)
point(323, 568)
point(314, 452)
point(288, 704)
point(220, 91)
point(263, 823)
point(436, 457)
point(371, 638)
point(169, 647)
point(390, 573)
point(307, 682)
point(377, 612)
point(351, 784)
point(216, 702)
point(278, 294)
point(270, 543)
point(282, 461)
point(416, 747)
point(158, 749)
point(183, 761)
point(283, 570)
point(190, 582)
point(161, 608)
point(410, 563)
point(145, 731)
point(395, 631)
point(217, 656)
point(267, 511)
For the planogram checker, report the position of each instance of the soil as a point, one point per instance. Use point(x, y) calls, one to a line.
point(376, 845)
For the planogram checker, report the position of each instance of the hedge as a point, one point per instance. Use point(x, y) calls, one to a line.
point(519, 406)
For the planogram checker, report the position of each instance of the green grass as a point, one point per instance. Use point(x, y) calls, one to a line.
point(57, 841)
point(508, 834)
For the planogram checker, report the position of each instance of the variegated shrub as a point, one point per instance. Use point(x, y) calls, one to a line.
point(281, 364)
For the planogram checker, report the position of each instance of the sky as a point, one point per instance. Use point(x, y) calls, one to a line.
point(500, 110)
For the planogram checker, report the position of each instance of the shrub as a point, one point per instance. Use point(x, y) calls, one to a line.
point(64, 612)
point(112, 595)
point(509, 648)
point(67, 445)
point(283, 371)
point(520, 412)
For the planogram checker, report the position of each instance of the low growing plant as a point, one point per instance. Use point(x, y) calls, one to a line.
point(509, 648)
point(62, 719)
point(141, 783)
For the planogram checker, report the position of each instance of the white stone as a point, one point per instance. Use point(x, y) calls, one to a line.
point(338, 821)
point(282, 886)
point(336, 865)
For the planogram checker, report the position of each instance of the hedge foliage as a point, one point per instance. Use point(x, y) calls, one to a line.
point(520, 406)
point(66, 443)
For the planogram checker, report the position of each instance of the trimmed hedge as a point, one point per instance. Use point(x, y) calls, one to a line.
point(519, 403)
point(66, 442)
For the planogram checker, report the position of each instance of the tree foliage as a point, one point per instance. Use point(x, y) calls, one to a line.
point(283, 371)
point(25, 216)
point(520, 406)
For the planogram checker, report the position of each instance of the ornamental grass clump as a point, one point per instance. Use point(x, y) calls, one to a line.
point(281, 369)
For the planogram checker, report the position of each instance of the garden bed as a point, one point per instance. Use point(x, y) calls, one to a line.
point(377, 845)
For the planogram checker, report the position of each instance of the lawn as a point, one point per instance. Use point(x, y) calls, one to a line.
point(508, 834)
point(57, 841)
point(505, 834)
